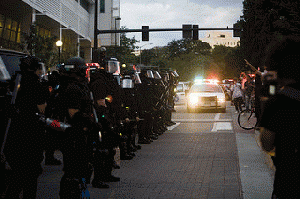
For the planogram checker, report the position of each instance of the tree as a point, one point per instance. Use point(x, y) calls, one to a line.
point(41, 47)
point(264, 21)
point(124, 52)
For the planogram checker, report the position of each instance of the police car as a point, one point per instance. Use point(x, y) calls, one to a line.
point(206, 94)
point(180, 92)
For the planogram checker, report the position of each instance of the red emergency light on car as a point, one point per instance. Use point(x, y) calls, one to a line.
point(91, 66)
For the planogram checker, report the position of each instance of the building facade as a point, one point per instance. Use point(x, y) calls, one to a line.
point(221, 38)
point(71, 21)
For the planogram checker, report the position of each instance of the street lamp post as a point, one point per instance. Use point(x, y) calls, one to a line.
point(141, 52)
point(59, 44)
point(117, 18)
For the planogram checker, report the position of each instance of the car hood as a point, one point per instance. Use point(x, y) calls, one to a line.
point(208, 94)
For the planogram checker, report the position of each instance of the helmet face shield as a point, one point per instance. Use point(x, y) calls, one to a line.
point(150, 74)
point(127, 83)
point(156, 75)
point(175, 74)
point(137, 79)
point(113, 67)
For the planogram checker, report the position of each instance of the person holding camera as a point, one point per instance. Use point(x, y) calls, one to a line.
point(279, 125)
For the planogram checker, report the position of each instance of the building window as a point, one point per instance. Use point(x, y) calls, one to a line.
point(43, 32)
point(102, 6)
point(9, 29)
point(85, 4)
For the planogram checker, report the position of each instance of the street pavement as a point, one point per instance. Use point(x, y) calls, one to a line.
point(205, 155)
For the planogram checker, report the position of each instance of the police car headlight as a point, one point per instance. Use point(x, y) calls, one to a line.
point(221, 99)
point(193, 98)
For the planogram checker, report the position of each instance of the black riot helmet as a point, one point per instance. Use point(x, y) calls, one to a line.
point(30, 63)
point(75, 65)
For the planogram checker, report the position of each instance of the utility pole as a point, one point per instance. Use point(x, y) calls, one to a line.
point(94, 55)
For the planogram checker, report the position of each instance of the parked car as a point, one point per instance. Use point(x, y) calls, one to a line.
point(9, 64)
point(180, 92)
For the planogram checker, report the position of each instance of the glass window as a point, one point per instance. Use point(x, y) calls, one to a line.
point(1, 21)
point(206, 88)
point(11, 64)
point(102, 6)
point(13, 36)
point(19, 37)
point(14, 26)
point(8, 23)
point(6, 34)
point(85, 4)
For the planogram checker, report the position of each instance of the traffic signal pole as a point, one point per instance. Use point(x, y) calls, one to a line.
point(158, 30)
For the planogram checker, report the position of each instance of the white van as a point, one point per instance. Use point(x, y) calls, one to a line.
point(180, 92)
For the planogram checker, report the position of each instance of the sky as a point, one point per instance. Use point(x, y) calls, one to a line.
point(173, 14)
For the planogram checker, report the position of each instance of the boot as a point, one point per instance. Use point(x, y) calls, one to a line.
point(126, 157)
point(144, 141)
point(99, 184)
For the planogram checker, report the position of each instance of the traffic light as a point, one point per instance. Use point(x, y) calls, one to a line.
point(145, 33)
point(237, 30)
point(195, 32)
point(187, 31)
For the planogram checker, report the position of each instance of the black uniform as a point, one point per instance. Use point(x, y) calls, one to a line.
point(25, 141)
point(131, 112)
point(102, 86)
point(147, 103)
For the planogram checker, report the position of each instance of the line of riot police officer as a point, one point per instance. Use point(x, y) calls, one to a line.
point(95, 111)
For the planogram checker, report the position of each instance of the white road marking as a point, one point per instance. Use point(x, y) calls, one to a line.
point(221, 126)
point(202, 120)
point(173, 126)
point(217, 117)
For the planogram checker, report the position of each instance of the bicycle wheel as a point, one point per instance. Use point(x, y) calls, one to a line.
point(247, 119)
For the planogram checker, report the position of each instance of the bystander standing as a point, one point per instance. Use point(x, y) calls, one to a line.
point(237, 95)
point(280, 118)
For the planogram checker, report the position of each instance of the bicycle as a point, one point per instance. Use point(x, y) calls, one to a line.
point(247, 119)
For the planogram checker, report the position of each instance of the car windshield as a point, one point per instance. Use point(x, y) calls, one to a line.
point(8, 66)
point(214, 88)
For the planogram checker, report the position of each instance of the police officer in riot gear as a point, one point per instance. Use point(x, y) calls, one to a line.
point(128, 147)
point(147, 99)
point(107, 99)
point(24, 145)
point(76, 109)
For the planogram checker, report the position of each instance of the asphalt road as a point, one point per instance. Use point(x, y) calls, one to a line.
point(205, 155)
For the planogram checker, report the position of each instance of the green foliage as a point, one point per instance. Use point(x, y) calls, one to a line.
point(123, 52)
point(264, 21)
point(39, 46)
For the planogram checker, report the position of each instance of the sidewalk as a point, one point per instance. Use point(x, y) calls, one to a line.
point(256, 167)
